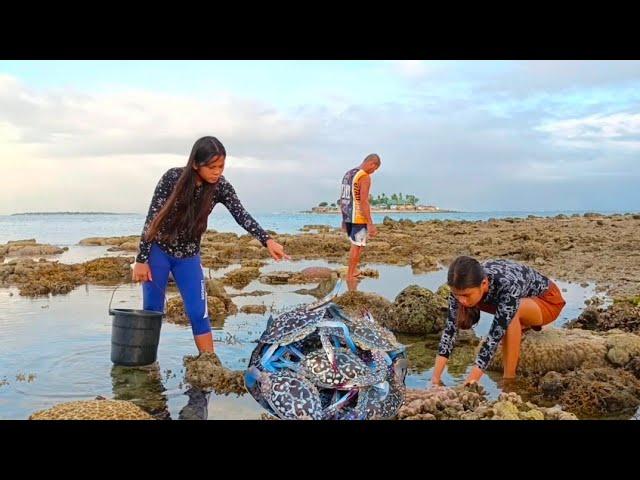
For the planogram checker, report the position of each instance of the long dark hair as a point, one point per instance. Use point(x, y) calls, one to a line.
point(466, 272)
point(182, 212)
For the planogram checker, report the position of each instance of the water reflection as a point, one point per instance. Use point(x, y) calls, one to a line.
point(422, 352)
point(352, 284)
point(198, 406)
point(322, 290)
point(142, 386)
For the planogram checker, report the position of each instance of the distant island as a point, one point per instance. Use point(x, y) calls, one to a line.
point(69, 213)
point(396, 202)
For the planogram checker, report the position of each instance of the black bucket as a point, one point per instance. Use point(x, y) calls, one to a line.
point(135, 335)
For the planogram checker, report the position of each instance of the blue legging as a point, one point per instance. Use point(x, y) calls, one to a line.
point(187, 273)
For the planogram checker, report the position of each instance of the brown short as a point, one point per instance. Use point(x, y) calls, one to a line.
point(551, 303)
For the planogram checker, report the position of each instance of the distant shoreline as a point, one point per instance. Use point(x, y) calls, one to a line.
point(68, 213)
point(336, 212)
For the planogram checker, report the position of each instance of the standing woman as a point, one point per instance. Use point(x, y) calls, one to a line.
point(518, 296)
point(177, 218)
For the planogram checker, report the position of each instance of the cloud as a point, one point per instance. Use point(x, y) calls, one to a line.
point(618, 130)
point(105, 149)
point(70, 123)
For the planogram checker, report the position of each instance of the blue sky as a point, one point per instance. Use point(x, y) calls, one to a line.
point(469, 135)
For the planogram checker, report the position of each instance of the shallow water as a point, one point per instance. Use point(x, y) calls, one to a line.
point(64, 341)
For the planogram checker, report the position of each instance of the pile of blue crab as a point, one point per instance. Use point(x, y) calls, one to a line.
point(316, 362)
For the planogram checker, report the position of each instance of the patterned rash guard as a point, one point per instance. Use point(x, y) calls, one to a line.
point(182, 246)
point(508, 283)
point(350, 197)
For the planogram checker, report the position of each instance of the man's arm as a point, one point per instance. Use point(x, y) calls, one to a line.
point(365, 186)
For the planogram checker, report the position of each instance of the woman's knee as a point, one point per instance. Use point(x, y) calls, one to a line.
point(198, 314)
point(200, 326)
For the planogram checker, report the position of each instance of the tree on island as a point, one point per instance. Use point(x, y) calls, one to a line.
point(383, 201)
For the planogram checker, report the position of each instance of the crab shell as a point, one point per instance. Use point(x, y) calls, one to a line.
point(375, 408)
point(254, 359)
point(292, 326)
point(291, 396)
point(377, 374)
point(367, 334)
point(350, 370)
point(308, 344)
point(372, 406)
point(371, 336)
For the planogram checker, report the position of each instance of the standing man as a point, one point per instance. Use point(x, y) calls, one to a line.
point(356, 211)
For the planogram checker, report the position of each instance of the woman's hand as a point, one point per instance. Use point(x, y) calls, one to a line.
point(441, 363)
point(372, 230)
point(276, 250)
point(141, 273)
point(474, 375)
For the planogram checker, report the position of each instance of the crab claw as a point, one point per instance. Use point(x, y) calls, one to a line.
point(383, 389)
point(266, 359)
point(251, 376)
point(295, 351)
point(345, 399)
point(326, 300)
point(400, 369)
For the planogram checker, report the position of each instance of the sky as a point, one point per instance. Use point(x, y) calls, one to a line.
point(464, 135)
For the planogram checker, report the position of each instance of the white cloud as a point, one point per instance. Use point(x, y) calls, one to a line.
point(619, 130)
point(133, 121)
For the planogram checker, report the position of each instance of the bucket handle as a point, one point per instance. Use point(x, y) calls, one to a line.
point(152, 283)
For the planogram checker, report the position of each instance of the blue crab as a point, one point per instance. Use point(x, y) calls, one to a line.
point(351, 371)
point(365, 331)
point(383, 402)
point(288, 394)
point(316, 362)
point(296, 324)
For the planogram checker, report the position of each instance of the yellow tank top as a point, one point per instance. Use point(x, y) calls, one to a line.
point(358, 216)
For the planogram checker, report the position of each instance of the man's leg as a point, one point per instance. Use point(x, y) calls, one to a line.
point(354, 259)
